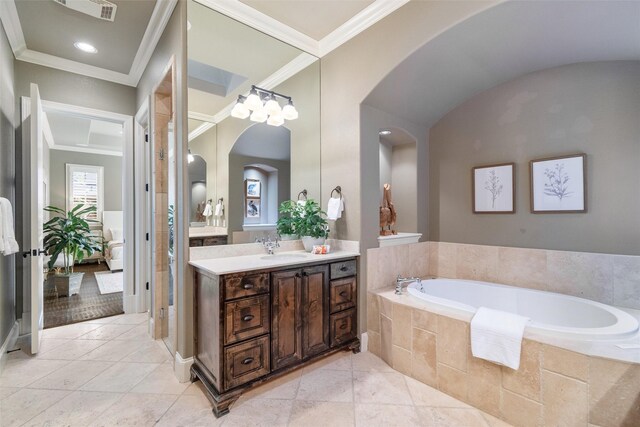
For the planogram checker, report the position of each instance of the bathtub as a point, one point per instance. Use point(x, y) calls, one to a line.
point(550, 313)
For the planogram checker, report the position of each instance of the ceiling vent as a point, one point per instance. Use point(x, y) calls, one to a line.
point(100, 9)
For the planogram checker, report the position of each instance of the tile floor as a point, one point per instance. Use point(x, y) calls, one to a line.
point(108, 372)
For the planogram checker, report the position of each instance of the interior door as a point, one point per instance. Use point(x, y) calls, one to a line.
point(34, 234)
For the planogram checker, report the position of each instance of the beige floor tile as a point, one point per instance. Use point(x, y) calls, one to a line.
point(25, 404)
point(369, 362)
point(121, 377)
point(148, 352)
point(326, 385)
point(7, 391)
point(450, 417)
point(194, 389)
point(114, 351)
point(311, 414)
point(162, 381)
point(136, 409)
point(337, 362)
point(72, 350)
point(424, 395)
point(22, 372)
point(285, 387)
point(374, 415)
point(495, 422)
point(104, 320)
point(380, 387)
point(259, 412)
point(79, 408)
point(48, 344)
point(70, 331)
point(140, 332)
point(72, 376)
point(131, 319)
point(107, 332)
point(190, 411)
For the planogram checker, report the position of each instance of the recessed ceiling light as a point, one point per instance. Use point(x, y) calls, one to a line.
point(385, 132)
point(85, 47)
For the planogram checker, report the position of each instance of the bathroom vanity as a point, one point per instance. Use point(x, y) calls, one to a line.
point(260, 316)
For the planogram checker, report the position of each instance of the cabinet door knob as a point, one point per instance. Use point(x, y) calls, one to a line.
point(298, 275)
point(344, 325)
point(247, 286)
point(343, 268)
point(343, 294)
point(247, 360)
point(305, 274)
point(247, 317)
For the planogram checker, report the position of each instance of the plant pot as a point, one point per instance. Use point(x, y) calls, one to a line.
point(284, 237)
point(67, 285)
point(309, 242)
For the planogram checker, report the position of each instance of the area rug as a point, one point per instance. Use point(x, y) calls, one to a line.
point(109, 282)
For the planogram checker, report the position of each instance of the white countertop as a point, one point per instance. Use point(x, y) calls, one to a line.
point(207, 231)
point(237, 264)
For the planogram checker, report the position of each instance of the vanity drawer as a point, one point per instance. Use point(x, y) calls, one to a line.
point(245, 285)
point(214, 241)
point(246, 361)
point(342, 327)
point(343, 294)
point(343, 269)
point(246, 318)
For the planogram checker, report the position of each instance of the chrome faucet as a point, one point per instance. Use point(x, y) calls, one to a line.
point(400, 281)
point(269, 244)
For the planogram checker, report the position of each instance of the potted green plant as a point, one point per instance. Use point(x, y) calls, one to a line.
point(305, 221)
point(68, 234)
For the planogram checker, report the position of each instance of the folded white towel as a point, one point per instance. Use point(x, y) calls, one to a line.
point(335, 208)
point(6, 223)
point(208, 211)
point(497, 336)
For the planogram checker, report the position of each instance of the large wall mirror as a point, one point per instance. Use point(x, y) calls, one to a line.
point(240, 170)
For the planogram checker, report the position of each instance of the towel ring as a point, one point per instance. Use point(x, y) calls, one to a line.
point(338, 190)
point(303, 193)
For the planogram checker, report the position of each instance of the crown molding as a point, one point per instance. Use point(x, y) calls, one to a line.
point(358, 23)
point(264, 23)
point(87, 150)
point(157, 23)
point(200, 116)
point(200, 130)
point(12, 27)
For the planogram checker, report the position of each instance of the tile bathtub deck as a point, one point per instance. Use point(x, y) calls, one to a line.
point(108, 372)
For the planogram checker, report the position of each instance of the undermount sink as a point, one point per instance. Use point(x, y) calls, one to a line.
point(284, 257)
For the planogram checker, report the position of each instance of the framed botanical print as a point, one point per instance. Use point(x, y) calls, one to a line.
point(252, 188)
point(253, 208)
point(494, 188)
point(559, 184)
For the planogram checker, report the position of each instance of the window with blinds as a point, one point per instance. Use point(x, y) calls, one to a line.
point(85, 187)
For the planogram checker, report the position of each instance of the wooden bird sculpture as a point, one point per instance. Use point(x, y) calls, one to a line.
point(387, 212)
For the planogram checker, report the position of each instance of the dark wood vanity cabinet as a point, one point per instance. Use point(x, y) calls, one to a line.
point(254, 326)
point(207, 241)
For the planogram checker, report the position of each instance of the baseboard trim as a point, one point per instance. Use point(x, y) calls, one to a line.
point(364, 342)
point(8, 344)
point(182, 368)
point(152, 329)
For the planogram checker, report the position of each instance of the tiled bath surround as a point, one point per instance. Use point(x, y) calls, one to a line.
point(553, 386)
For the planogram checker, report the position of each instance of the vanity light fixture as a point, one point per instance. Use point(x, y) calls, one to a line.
point(85, 47)
point(385, 132)
point(190, 157)
point(262, 105)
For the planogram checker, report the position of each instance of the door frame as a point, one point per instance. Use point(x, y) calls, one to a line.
point(143, 218)
point(130, 294)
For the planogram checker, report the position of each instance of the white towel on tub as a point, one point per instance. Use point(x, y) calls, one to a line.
point(497, 336)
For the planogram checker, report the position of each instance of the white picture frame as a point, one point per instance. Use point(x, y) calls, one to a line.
point(253, 208)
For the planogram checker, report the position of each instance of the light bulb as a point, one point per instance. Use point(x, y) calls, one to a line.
point(190, 157)
point(289, 112)
point(258, 115)
point(275, 120)
point(272, 107)
point(253, 101)
point(240, 110)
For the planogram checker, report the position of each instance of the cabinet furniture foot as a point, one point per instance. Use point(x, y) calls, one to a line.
point(219, 402)
point(355, 347)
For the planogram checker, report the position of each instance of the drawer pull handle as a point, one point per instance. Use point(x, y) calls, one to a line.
point(343, 268)
point(247, 360)
point(247, 286)
point(343, 294)
point(247, 317)
point(344, 325)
